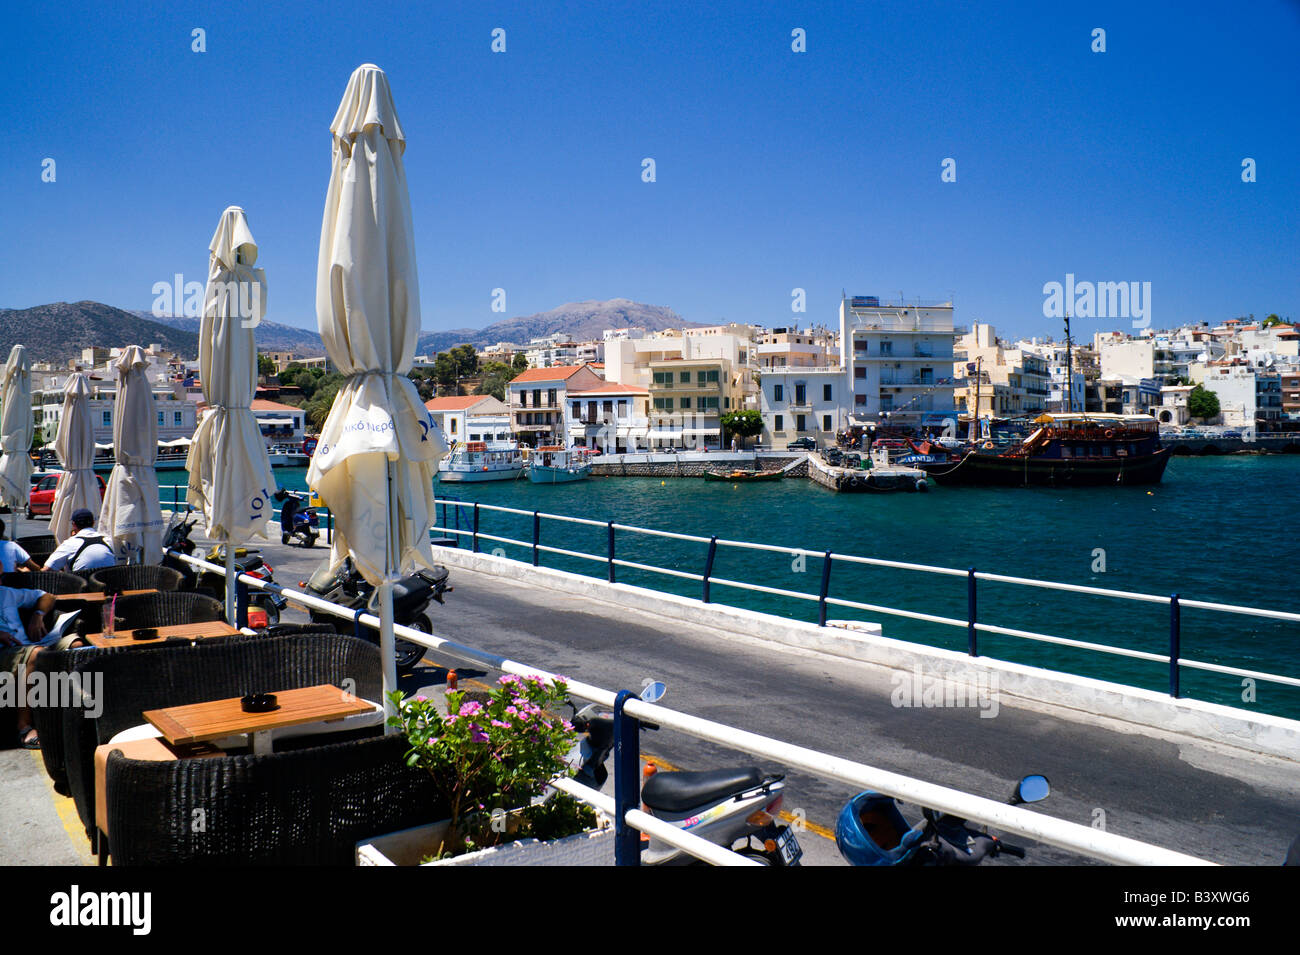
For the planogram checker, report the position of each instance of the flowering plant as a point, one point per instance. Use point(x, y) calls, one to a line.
point(492, 756)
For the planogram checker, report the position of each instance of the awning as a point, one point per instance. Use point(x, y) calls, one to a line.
point(277, 422)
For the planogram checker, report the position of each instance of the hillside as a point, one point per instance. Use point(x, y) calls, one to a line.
point(270, 336)
point(61, 330)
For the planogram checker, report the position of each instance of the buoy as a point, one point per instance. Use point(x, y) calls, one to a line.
point(661, 483)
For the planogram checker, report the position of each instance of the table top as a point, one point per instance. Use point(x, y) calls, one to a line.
point(216, 719)
point(191, 631)
point(98, 596)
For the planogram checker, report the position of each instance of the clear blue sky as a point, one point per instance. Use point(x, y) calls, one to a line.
point(775, 169)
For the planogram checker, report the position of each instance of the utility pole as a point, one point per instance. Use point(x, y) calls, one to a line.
point(1069, 369)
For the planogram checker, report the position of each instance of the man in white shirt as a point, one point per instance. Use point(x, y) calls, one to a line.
point(85, 550)
point(13, 557)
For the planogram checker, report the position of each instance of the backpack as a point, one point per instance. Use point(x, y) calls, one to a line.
point(86, 542)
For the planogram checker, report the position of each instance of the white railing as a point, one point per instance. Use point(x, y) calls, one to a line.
point(1072, 836)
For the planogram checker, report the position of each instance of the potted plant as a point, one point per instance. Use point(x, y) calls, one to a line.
point(491, 759)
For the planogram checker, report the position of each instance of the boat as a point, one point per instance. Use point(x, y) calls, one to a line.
point(739, 476)
point(287, 456)
point(556, 464)
point(476, 461)
point(1063, 450)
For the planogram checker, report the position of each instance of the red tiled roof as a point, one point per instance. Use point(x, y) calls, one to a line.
point(262, 404)
point(455, 402)
point(610, 388)
point(558, 373)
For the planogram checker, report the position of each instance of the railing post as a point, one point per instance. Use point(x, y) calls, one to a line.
point(826, 584)
point(357, 629)
point(329, 526)
point(972, 646)
point(708, 565)
point(457, 519)
point(627, 782)
point(241, 602)
point(610, 550)
point(1175, 643)
point(537, 533)
point(475, 527)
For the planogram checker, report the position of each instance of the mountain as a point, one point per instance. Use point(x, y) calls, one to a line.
point(270, 336)
point(583, 321)
point(60, 331)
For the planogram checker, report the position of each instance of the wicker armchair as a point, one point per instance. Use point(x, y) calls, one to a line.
point(54, 665)
point(134, 577)
point(213, 670)
point(38, 542)
point(166, 610)
point(304, 807)
point(50, 581)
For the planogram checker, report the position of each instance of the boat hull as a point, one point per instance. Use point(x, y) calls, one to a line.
point(991, 470)
point(542, 474)
point(476, 477)
point(744, 478)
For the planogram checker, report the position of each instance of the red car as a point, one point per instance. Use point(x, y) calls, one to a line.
point(41, 500)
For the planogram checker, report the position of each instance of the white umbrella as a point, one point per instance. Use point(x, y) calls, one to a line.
point(230, 474)
point(16, 430)
point(379, 450)
point(131, 514)
point(75, 446)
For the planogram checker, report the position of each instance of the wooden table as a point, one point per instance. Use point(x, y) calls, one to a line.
point(190, 631)
point(217, 719)
point(98, 597)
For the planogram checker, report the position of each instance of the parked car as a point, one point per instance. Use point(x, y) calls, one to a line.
point(41, 499)
point(802, 444)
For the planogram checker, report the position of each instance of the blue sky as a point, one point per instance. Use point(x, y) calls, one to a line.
point(775, 170)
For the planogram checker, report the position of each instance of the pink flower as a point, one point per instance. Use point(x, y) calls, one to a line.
point(470, 708)
point(501, 724)
point(568, 727)
point(512, 711)
point(476, 734)
point(508, 678)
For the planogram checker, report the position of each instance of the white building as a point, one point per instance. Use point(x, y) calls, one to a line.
point(609, 416)
point(803, 402)
point(471, 418)
point(898, 358)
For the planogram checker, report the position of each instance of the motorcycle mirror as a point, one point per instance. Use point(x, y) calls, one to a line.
point(1031, 789)
point(654, 692)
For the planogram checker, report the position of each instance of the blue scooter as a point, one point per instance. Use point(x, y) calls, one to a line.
point(298, 524)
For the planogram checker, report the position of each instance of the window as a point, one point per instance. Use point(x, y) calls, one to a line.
point(709, 403)
point(176, 418)
point(453, 425)
point(859, 373)
point(607, 407)
point(476, 437)
point(537, 397)
point(826, 394)
point(886, 348)
point(622, 407)
point(712, 376)
point(686, 378)
point(686, 403)
point(663, 404)
point(778, 392)
point(577, 409)
point(726, 402)
point(799, 422)
point(663, 377)
point(860, 400)
point(800, 394)
point(826, 421)
point(701, 377)
point(108, 418)
point(778, 423)
point(550, 397)
point(160, 419)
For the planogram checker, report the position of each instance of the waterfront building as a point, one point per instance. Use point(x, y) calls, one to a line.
point(1248, 397)
point(897, 358)
point(803, 401)
point(1289, 386)
point(537, 398)
point(609, 416)
point(1054, 354)
point(552, 350)
point(279, 423)
point(794, 348)
point(1019, 378)
point(1173, 405)
point(688, 397)
point(471, 418)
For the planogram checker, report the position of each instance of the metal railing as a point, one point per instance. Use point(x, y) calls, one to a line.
point(1173, 660)
point(630, 819)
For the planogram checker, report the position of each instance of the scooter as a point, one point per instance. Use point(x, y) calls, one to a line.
point(733, 808)
point(297, 524)
point(250, 562)
point(412, 595)
point(871, 831)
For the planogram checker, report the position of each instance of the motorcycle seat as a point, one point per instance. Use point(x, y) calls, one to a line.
point(682, 792)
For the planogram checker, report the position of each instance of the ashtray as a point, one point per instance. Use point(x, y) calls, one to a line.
point(258, 703)
point(145, 633)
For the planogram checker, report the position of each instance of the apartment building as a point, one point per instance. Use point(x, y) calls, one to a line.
point(898, 358)
point(610, 416)
point(688, 397)
point(537, 400)
point(471, 418)
point(803, 402)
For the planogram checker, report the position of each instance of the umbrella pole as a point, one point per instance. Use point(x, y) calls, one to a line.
point(387, 645)
point(230, 583)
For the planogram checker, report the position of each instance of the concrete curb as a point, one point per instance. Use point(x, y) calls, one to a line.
point(1082, 698)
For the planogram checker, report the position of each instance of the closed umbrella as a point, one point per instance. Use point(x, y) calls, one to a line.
point(16, 430)
point(230, 473)
point(75, 446)
point(131, 515)
point(379, 450)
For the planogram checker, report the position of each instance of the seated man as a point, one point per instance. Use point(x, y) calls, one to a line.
point(18, 645)
point(13, 557)
point(85, 550)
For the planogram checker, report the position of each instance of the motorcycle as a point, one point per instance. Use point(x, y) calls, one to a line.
point(298, 524)
point(733, 808)
point(872, 831)
point(250, 562)
point(412, 595)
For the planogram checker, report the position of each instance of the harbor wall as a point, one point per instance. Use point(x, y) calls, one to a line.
point(1082, 699)
point(1288, 443)
point(693, 464)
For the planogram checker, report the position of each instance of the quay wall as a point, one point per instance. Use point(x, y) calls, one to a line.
point(1082, 699)
point(694, 464)
point(1263, 444)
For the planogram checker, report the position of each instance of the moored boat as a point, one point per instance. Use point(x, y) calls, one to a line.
point(476, 461)
point(556, 464)
point(740, 477)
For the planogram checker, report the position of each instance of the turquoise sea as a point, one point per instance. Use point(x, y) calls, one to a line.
point(1218, 529)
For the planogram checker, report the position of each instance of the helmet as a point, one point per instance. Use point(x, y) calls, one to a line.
point(871, 831)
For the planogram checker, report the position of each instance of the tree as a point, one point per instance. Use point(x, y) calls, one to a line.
point(744, 424)
point(1272, 320)
point(265, 367)
point(445, 373)
point(520, 362)
point(466, 359)
point(1202, 403)
point(496, 375)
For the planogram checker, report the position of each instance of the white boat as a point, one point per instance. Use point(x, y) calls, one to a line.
point(287, 456)
point(475, 461)
point(556, 464)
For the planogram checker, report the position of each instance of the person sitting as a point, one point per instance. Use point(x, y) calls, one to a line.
point(19, 644)
point(12, 556)
point(83, 551)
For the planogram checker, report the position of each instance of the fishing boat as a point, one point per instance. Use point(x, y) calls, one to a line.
point(556, 464)
point(1064, 450)
point(740, 477)
point(476, 461)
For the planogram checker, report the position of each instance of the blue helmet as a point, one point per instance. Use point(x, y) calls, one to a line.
point(881, 838)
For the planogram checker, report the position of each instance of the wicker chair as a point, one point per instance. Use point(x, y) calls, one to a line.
point(134, 577)
point(210, 670)
point(50, 581)
point(166, 610)
point(38, 542)
point(304, 807)
point(48, 718)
